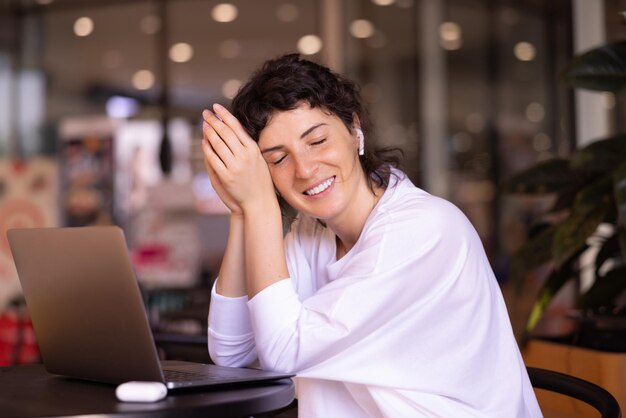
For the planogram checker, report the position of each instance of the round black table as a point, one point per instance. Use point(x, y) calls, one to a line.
point(29, 391)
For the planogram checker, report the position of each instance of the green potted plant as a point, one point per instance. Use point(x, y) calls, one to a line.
point(590, 190)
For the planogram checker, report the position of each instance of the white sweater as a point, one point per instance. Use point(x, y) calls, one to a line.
point(409, 323)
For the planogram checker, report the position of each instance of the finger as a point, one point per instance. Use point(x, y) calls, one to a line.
point(208, 164)
point(216, 182)
point(225, 132)
point(230, 120)
point(211, 158)
point(210, 171)
point(218, 146)
point(213, 178)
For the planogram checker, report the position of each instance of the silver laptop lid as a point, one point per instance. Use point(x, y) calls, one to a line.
point(85, 303)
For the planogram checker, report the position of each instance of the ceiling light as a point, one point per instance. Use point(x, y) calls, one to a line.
point(362, 28)
point(143, 79)
point(524, 51)
point(450, 37)
point(450, 31)
point(83, 26)
point(181, 52)
point(383, 2)
point(230, 88)
point(287, 12)
point(310, 44)
point(224, 12)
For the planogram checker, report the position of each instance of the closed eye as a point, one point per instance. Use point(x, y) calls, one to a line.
point(321, 141)
point(279, 160)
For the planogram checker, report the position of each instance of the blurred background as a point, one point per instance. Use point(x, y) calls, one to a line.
point(100, 104)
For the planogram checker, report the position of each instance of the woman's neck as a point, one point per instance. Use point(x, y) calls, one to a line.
point(349, 227)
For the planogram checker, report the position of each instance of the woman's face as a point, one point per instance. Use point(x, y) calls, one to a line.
point(313, 161)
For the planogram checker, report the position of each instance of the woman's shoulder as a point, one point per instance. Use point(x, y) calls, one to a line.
point(410, 205)
point(414, 226)
point(413, 218)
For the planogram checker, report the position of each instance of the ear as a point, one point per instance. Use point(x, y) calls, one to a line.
point(356, 122)
point(360, 139)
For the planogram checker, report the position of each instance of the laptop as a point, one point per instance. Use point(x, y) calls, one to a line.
point(88, 313)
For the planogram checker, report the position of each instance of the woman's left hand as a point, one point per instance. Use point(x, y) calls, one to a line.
point(236, 160)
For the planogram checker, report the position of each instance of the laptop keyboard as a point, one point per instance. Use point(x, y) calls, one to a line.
point(172, 375)
point(182, 376)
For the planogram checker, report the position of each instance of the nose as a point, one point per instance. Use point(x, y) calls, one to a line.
point(305, 166)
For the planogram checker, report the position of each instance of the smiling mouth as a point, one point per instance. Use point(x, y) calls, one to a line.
point(320, 187)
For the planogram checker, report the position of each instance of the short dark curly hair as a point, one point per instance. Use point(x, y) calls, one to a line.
point(286, 82)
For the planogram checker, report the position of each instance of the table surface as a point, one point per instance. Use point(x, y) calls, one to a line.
point(29, 391)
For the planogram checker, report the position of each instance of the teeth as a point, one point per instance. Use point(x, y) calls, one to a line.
point(320, 187)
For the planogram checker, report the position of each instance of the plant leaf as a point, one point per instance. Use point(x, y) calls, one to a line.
point(621, 232)
point(605, 290)
point(533, 253)
point(550, 288)
point(565, 198)
point(619, 177)
point(592, 205)
point(555, 281)
point(602, 68)
point(609, 249)
point(545, 177)
point(600, 156)
point(620, 201)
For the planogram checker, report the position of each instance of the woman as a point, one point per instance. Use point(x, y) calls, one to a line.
point(380, 297)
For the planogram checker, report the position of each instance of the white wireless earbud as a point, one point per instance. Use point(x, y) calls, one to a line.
point(361, 138)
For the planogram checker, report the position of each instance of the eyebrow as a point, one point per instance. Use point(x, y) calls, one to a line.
point(311, 129)
point(304, 134)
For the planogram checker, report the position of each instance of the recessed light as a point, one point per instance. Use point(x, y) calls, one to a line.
point(83, 26)
point(181, 52)
point(309, 44)
point(143, 79)
point(224, 12)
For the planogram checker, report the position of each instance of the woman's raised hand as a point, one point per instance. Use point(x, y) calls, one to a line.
point(234, 162)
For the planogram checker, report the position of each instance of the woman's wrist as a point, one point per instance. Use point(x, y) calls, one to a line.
point(232, 275)
point(263, 207)
point(264, 253)
point(236, 216)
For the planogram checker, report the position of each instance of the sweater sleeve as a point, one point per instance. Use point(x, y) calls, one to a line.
point(230, 337)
